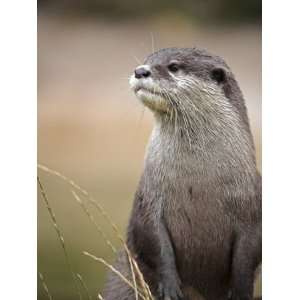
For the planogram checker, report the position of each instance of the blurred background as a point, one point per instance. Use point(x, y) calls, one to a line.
point(91, 127)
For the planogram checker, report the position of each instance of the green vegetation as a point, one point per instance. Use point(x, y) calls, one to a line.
point(220, 11)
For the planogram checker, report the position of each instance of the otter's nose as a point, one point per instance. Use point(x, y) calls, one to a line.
point(141, 72)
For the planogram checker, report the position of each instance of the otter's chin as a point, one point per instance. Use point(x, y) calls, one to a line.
point(153, 101)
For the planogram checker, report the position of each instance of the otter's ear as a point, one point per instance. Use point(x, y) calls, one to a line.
point(219, 75)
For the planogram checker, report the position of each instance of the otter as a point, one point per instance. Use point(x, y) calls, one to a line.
point(195, 226)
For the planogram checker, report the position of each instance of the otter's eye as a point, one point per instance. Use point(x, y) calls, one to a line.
point(173, 67)
point(218, 75)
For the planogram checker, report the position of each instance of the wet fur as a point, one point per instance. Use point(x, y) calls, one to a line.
point(200, 178)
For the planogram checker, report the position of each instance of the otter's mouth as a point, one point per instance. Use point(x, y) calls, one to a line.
point(149, 93)
point(152, 99)
point(146, 90)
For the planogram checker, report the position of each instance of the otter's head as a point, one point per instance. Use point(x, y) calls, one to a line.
point(190, 81)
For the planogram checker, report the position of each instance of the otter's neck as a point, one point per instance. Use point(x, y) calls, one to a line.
point(212, 147)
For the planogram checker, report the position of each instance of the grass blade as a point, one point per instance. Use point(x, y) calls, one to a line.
point(45, 286)
point(59, 234)
point(84, 286)
point(103, 212)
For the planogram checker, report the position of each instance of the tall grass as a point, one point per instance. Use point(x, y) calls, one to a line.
point(84, 286)
point(59, 234)
point(45, 286)
point(138, 283)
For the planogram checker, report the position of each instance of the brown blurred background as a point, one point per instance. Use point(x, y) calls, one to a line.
point(91, 127)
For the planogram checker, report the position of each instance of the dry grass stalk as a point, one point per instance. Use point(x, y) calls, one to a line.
point(114, 270)
point(45, 285)
point(84, 286)
point(131, 259)
point(133, 278)
point(90, 216)
point(102, 211)
point(145, 286)
point(59, 234)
